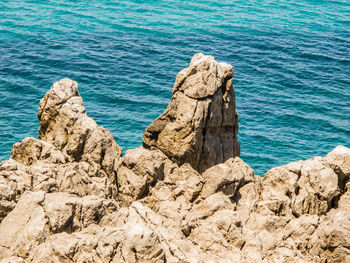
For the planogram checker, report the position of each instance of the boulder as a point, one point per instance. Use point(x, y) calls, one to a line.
point(32, 150)
point(309, 187)
point(227, 177)
point(138, 170)
point(24, 227)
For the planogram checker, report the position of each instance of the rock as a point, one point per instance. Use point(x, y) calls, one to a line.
point(72, 153)
point(316, 188)
point(65, 124)
point(38, 215)
point(247, 198)
point(75, 178)
point(300, 231)
point(209, 206)
point(279, 185)
point(332, 234)
point(200, 124)
point(69, 213)
point(32, 150)
point(93, 244)
point(339, 161)
point(139, 169)
point(12, 260)
point(24, 227)
point(226, 177)
point(308, 187)
point(185, 181)
point(7, 203)
point(185, 196)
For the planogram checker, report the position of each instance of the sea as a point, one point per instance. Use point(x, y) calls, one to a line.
point(291, 67)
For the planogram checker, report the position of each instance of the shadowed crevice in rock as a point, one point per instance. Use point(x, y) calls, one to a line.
point(200, 124)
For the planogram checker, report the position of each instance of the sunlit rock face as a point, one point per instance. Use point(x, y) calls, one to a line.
point(200, 124)
point(184, 196)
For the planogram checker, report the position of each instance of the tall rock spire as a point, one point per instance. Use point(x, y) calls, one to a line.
point(200, 124)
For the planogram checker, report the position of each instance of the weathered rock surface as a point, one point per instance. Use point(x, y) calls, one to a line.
point(200, 125)
point(185, 196)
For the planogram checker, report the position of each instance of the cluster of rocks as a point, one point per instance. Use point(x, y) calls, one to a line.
point(184, 196)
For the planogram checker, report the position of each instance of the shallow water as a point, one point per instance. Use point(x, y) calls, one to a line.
point(291, 59)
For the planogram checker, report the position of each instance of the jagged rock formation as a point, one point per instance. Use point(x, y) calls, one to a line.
point(200, 125)
point(69, 196)
point(72, 154)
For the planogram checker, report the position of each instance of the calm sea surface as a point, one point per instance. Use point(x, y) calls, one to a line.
point(291, 59)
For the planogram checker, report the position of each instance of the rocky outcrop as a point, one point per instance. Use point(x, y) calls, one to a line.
point(72, 154)
point(69, 196)
point(200, 125)
point(65, 124)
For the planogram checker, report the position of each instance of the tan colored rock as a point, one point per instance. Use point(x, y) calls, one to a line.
point(24, 227)
point(70, 197)
point(12, 260)
point(332, 234)
point(65, 124)
point(75, 178)
point(7, 200)
point(316, 188)
point(339, 161)
point(300, 231)
point(226, 177)
point(69, 213)
point(72, 153)
point(93, 244)
point(279, 186)
point(31, 150)
point(38, 215)
point(139, 169)
point(185, 182)
point(247, 198)
point(200, 124)
point(308, 187)
point(208, 207)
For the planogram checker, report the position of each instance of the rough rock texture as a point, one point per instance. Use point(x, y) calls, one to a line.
point(70, 197)
point(72, 154)
point(200, 125)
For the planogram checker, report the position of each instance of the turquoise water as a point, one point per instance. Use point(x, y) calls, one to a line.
point(291, 59)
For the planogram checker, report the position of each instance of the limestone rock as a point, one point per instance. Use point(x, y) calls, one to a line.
point(139, 169)
point(38, 215)
point(75, 178)
point(185, 182)
point(72, 153)
point(32, 150)
point(309, 187)
point(339, 161)
point(200, 124)
point(7, 200)
point(24, 227)
point(12, 260)
point(183, 197)
point(226, 177)
point(65, 124)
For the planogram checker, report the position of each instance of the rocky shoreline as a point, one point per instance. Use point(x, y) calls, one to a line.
point(184, 196)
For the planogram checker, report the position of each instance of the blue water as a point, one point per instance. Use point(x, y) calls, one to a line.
point(291, 59)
